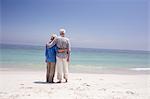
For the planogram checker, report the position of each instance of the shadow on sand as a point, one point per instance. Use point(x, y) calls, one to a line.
point(42, 82)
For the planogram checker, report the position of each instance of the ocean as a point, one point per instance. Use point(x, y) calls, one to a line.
point(27, 56)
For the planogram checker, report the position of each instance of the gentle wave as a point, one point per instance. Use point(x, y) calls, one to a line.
point(140, 69)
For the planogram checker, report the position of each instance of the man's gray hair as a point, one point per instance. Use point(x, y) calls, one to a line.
point(62, 30)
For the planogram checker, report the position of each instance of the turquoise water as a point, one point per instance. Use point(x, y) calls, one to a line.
point(23, 56)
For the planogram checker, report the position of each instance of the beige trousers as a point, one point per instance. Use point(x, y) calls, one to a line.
point(62, 68)
point(50, 71)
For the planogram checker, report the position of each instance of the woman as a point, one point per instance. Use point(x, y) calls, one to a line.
point(50, 54)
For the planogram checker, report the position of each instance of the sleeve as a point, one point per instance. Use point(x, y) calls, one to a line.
point(69, 47)
point(49, 45)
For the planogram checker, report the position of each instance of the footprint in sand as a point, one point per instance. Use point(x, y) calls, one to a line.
point(26, 87)
point(29, 87)
point(21, 84)
point(80, 89)
point(28, 95)
point(79, 79)
point(70, 88)
point(116, 92)
point(14, 96)
point(101, 79)
point(102, 89)
point(3, 92)
point(22, 87)
point(86, 84)
point(130, 92)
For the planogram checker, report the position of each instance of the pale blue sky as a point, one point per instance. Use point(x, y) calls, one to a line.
point(110, 24)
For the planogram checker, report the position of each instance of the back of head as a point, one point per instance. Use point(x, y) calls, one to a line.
point(62, 32)
point(53, 36)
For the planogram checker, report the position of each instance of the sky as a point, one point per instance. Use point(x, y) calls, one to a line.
point(108, 24)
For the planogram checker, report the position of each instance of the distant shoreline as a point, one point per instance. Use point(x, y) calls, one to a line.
point(108, 49)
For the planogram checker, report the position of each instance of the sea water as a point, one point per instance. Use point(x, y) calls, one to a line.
point(28, 56)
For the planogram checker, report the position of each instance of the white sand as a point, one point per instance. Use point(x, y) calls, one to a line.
point(31, 85)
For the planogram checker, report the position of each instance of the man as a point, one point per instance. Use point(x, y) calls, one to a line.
point(50, 54)
point(62, 55)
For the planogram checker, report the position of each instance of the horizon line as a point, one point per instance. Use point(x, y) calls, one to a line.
point(78, 47)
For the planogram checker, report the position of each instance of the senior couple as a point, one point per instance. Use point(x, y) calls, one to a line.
point(57, 57)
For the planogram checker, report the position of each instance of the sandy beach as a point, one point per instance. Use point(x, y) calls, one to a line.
point(31, 85)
